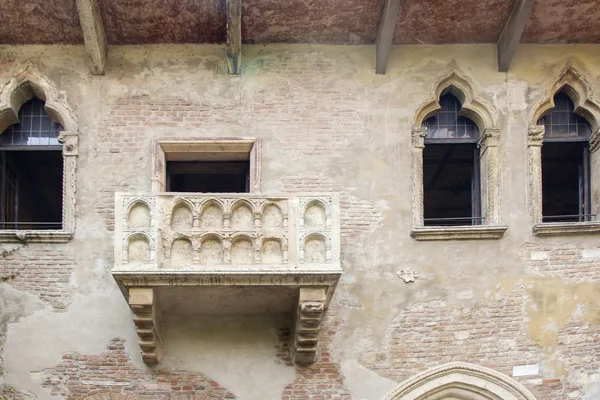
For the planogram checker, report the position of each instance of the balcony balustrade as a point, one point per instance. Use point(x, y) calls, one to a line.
point(227, 253)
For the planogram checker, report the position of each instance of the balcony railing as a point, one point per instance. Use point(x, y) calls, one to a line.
point(289, 246)
point(193, 232)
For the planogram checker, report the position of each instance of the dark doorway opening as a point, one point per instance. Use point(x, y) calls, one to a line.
point(566, 181)
point(451, 184)
point(208, 176)
point(31, 189)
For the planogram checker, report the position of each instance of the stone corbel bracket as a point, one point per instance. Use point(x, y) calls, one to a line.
point(312, 303)
point(148, 323)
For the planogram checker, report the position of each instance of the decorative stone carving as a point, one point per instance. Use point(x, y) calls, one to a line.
point(314, 249)
point(462, 87)
point(484, 116)
point(311, 306)
point(148, 323)
point(139, 217)
point(164, 240)
point(182, 253)
point(271, 251)
point(242, 251)
point(211, 251)
point(408, 274)
point(460, 380)
point(474, 232)
point(577, 87)
point(579, 90)
point(29, 83)
point(138, 249)
point(314, 216)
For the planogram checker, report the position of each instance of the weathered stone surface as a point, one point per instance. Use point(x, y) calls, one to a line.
point(328, 124)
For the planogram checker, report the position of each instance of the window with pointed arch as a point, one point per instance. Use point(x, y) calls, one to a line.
point(566, 183)
point(451, 184)
point(31, 171)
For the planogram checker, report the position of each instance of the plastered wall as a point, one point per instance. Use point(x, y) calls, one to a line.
point(328, 123)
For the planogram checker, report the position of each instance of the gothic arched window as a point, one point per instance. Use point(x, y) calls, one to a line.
point(566, 194)
point(31, 171)
point(451, 188)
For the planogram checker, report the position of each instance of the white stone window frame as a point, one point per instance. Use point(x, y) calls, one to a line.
point(579, 90)
point(29, 83)
point(458, 84)
point(204, 149)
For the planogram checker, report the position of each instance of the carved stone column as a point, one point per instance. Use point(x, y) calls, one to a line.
point(490, 176)
point(311, 306)
point(70, 142)
point(148, 323)
point(535, 139)
point(595, 172)
point(418, 144)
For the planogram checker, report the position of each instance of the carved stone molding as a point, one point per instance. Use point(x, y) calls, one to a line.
point(285, 245)
point(408, 274)
point(470, 232)
point(565, 228)
point(29, 83)
point(461, 86)
point(312, 303)
point(455, 81)
point(595, 140)
point(148, 323)
point(535, 135)
point(460, 380)
point(577, 87)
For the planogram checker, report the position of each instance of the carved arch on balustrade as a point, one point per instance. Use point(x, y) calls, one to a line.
point(575, 85)
point(456, 82)
point(23, 86)
point(461, 381)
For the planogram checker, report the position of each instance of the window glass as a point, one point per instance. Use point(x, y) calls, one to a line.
point(448, 124)
point(35, 128)
point(563, 123)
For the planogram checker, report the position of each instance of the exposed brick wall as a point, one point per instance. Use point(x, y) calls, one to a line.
point(358, 217)
point(492, 334)
point(323, 379)
point(572, 262)
point(80, 376)
point(39, 270)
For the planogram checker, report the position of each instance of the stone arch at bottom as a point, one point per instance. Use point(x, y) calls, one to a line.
point(460, 381)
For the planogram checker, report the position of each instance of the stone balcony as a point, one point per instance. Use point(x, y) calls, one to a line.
point(192, 254)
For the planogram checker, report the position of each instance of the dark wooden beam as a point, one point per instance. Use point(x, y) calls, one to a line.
point(511, 35)
point(385, 34)
point(234, 36)
point(93, 35)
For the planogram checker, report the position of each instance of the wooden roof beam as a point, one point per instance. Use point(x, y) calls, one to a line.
point(385, 34)
point(93, 35)
point(511, 35)
point(234, 36)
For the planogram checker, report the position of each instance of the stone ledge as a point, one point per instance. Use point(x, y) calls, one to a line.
point(35, 236)
point(228, 277)
point(475, 232)
point(565, 228)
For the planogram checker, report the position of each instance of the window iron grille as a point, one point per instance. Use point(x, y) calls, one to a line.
point(449, 125)
point(35, 128)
